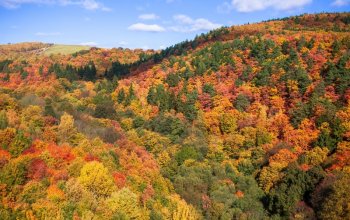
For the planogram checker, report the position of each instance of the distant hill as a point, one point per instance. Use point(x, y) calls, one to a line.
point(38, 48)
point(64, 49)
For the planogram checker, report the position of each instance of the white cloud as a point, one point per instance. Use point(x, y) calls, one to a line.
point(123, 43)
point(91, 5)
point(183, 19)
point(86, 4)
point(11, 4)
point(46, 34)
point(204, 24)
point(259, 5)
point(146, 27)
point(188, 24)
point(225, 8)
point(106, 9)
point(90, 43)
point(340, 3)
point(148, 16)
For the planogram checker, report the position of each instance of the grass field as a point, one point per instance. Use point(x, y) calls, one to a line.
point(64, 49)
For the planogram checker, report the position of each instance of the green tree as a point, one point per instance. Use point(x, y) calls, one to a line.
point(131, 96)
point(186, 153)
point(162, 98)
point(152, 96)
point(121, 96)
point(3, 120)
point(19, 144)
point(173, 79)
point(209, 88)
point(24, 74)
point(192, 182)
point(293, 187)
point(200, 68)
point(138, 122)
point(301, 112)
point(336, 47)
point(242, 102)
point(104, 105)
point(262, 78)
point(88, 72)
point(48, 109)
point(14, 173)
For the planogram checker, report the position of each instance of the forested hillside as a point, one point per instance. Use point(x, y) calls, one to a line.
point(244, 122)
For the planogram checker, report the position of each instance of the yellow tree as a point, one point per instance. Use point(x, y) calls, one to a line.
point(344, 115)
point(32, 119)
point(125, 204)
point(96, 178)
point(228, 123)
point(66, 129)
point(336, 205)
point(316, 156)
point(183, 210)
point(269, 175)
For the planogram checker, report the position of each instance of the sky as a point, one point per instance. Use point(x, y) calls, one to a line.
point(146, 24)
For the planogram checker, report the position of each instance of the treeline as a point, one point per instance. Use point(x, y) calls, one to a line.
point(120, 70)
point(87, 72)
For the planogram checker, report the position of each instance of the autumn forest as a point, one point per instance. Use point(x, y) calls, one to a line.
point(243, 122)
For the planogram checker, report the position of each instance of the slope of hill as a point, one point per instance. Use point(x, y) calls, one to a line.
point(65, 49)
point(245, 122)
point(13, 51)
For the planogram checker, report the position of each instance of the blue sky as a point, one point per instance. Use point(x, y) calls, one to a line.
point(138, 23)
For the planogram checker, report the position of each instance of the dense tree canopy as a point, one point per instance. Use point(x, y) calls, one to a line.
point(244, 122)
